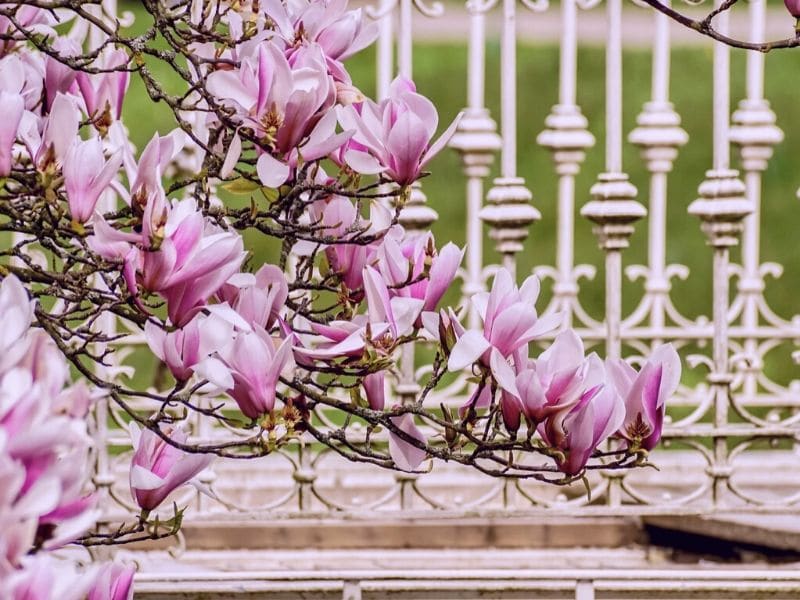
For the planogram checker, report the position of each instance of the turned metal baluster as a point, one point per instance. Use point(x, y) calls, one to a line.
point(659, 135)
point(416, 214)
point(477, 141)
point(567, 136)
point(755, 133)
point(508, 211)
point(613, 207)
point(721, 207)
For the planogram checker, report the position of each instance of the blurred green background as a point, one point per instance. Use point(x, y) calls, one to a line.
point(440, 73)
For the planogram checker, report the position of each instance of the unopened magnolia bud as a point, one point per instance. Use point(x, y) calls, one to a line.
point(347, 94)
point(447, 334)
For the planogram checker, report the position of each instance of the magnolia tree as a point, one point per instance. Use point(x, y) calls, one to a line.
point(111, 242)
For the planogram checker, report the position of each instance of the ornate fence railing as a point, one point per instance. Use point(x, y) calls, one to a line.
point(730, 439)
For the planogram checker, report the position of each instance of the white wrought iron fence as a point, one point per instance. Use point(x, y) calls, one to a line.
point(730, 444)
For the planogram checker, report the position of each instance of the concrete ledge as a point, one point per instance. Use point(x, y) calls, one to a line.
point(470, 533)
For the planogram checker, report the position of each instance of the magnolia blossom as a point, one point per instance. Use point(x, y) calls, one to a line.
point(192, 261)
point(258, 298)
point(185, 348)
point(286, 104)
point(387, 321)
point(114, 582)
point(340, 33)
point(510, 322)
point(577, 432)
point(45, 501)
point(645, 394)
point(554, 382)
point(59, 136)
point(338, 219)
point(406, 456)
point(414, 269)
point(158, 468)
point(104, 92)
point(398, 131)
point(255, 361)
point(43, 577)
point(58, 77)
point(87, 175)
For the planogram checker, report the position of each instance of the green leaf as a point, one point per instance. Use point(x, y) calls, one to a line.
point(241, 186)
point(270, 194)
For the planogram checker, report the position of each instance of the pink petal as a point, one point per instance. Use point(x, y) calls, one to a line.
point(405, 455)
point(272, 172)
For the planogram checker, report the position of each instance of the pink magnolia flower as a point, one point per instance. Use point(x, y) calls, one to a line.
point(60, 132)
point(793, 6)
point(103, 93)
point(217, 256)
point(338, 219)
point(288, 107)
point(58, 77)
point(579, 431)
point(374, 388)
point(398, 313)
point(401, 262)
point(186, 260)
point(185, 348)
point(398, 131)
point(387, 320)
point(256, 365)
point(17, 310)
point(44, 577)
point(645, 394)
point(340, 32)
point(258, 298)
point(28, 17)
point(158, 468)
point(87, 175)
point(114, 582)
point(13, 108)
point(510, 322)
point(43, 463)
point(553, 382)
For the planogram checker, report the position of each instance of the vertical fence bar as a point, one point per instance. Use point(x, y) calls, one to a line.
point(384, 53)
point(613, 207)
point(755, 133)
point(404, 40)
point(509, 212)
point(721, 207)
point(659, 135)
point(415, 214)
point(567, 137)
point(477, 141)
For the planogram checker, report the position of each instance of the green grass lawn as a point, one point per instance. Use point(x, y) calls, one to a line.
point(440, 73)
